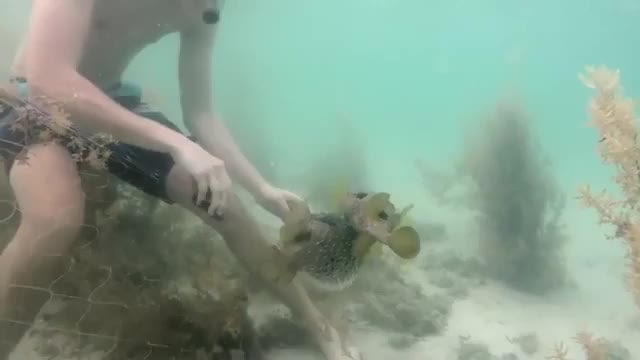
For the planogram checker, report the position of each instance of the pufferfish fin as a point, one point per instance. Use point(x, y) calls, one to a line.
point(405, 242)
point(401, 218)
point(374, 205)
point(363, 245)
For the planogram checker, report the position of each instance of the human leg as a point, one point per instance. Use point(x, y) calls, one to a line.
point(50, 199)
point(156, 174)
point(241, 233)
point(244, 238)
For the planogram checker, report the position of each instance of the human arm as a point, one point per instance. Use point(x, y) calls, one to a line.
point(57, 33)
point(200, 118)
point(196, 49)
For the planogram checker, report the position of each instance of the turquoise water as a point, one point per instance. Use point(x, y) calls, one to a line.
point(410, 76)
point(411, 72)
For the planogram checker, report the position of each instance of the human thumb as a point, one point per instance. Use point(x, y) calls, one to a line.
point(291, 197)
point(283, 207)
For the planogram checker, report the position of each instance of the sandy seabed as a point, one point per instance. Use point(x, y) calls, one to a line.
point(489, 315)
point(440, 307)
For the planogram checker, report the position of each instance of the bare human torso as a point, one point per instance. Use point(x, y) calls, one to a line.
point(120, 29)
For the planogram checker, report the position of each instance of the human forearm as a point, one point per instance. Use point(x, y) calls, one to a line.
point(90, 108)
point(215, 138)
point(53, 47)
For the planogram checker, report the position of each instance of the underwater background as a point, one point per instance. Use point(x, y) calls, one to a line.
point(401, 81)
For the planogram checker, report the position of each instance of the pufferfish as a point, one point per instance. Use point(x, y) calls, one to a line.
point(331, 247)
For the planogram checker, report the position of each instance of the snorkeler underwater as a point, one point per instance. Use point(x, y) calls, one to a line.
point(328, 180)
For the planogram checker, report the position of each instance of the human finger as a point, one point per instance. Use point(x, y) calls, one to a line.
point(224, 183)
point(224, 201)
point(281, 208)
point(284, 205)
point(201, 185)
point(215, 195)
point(218, 207)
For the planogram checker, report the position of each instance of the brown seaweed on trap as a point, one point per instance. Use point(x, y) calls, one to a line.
point(137, 296)
point(124, 290)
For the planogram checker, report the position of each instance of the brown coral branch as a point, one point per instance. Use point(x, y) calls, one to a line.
point(613, 115)
point(42, 120)
point(594, 348)
point(560, 352)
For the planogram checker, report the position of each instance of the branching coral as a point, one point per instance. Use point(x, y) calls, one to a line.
point(613, 115)
point(560, 352)
point(594, 348)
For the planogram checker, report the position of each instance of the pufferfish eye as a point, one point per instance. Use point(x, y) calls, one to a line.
point(361, 195)
point(383, 215)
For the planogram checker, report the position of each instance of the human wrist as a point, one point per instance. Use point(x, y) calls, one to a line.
point(259, 188)
point(168, 140)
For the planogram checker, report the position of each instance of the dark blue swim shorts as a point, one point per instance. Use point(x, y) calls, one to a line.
point(144, 169)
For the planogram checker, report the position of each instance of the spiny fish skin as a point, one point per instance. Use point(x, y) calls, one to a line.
point(327, 250)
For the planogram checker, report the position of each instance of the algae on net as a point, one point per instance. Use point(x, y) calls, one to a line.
point(150, 282)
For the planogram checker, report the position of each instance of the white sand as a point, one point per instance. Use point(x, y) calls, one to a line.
point(492, 315)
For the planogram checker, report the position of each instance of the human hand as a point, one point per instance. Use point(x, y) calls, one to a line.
point(276, 200)
point(213, 184)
